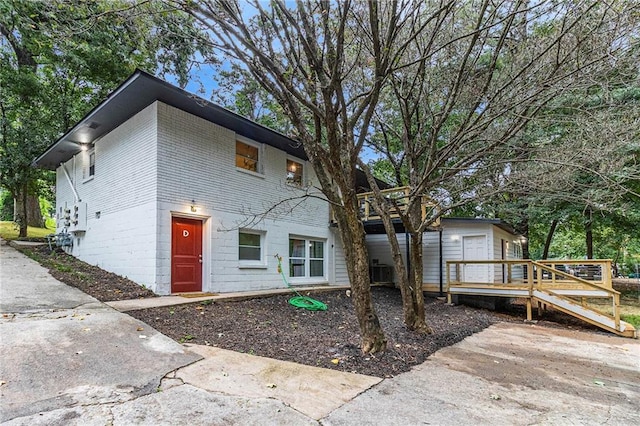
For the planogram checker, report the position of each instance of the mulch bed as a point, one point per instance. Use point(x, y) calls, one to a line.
point(104, 286)
point(271, 327)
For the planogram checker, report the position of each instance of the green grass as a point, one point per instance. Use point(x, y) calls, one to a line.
point(9, 231)
point(632, 319)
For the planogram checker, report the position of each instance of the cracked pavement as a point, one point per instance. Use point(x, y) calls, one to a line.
point(67, 359)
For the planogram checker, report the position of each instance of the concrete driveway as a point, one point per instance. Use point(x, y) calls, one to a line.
point(61, 347)
point(511, 374)
point(68, 359)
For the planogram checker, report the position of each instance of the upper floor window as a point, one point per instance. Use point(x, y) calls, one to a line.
point(294, 173)
point(247, 157)
point(89, 166)
point(92, 163)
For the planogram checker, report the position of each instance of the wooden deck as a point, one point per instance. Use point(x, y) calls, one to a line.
point(398, 198)
point(568, 286)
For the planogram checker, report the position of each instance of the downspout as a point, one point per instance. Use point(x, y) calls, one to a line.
point(440, 252)
point(73, 188)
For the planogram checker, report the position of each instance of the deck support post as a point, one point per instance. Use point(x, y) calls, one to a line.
point(616, 310)
point(529, 316)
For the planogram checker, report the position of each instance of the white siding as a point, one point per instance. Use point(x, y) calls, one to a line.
point(452, 238)
point(197, 162)
point(380, 250)
point(120, 198)
point(341, 276)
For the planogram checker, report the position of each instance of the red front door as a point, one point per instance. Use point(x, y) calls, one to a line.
point(186, 255)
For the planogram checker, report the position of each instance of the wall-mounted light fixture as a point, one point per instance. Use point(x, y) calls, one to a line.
point(194, 208)
point(455, 237)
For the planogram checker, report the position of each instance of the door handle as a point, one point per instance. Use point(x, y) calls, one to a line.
point(200, 258)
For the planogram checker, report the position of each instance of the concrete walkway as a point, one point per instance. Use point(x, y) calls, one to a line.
point(162, 301)
point(68, 359)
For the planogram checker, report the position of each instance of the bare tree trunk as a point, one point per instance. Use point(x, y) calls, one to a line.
point(34, 213)
point(27, 211)
point(547, 243)
point(399, 266)
point(410, 283)
point(357, 259)
point(416, 319)
point(588, 231)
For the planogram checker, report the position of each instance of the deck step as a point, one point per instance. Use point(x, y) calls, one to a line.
point(586, 314)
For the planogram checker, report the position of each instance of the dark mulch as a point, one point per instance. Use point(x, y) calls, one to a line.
point(94, 281)
point(271, 327)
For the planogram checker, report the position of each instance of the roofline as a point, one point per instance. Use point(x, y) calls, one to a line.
point(181, 94)
point(136, 74)
point(497, 222)
point(214, 105)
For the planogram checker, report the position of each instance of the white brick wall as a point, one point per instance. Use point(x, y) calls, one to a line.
point(196, 161)
point(152, 167)
point(121, 200)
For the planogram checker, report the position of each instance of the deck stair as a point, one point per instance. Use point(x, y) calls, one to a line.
point(582, 289)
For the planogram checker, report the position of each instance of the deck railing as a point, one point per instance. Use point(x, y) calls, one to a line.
point(587, 283)
point(397, 197)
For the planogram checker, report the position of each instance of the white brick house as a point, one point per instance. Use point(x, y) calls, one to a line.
point(161, 187)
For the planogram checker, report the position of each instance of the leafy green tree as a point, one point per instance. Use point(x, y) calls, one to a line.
point(59, 58)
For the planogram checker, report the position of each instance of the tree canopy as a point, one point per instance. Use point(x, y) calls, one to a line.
point(58, 59)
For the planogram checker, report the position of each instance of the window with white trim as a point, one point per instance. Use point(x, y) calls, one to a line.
point(89, 168)
point(306, 257)
point(92, 163)
point(250, 246)
point(517, 250)
point(248, 157)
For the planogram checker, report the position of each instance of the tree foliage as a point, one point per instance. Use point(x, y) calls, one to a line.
point(58, 59)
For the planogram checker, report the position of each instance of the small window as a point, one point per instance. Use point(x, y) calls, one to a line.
point(89, 164)
point(294, 173)
point(92, 163)
point(247, 157)
point(250, 246)
point(306, 258)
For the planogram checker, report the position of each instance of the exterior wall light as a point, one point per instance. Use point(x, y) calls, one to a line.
point(194, 208)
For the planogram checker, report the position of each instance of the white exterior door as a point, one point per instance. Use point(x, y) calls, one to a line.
point(475, 248)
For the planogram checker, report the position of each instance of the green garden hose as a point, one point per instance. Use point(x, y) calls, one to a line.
point(300, 301)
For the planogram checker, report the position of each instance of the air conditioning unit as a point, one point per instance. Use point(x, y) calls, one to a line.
point(381, 274)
